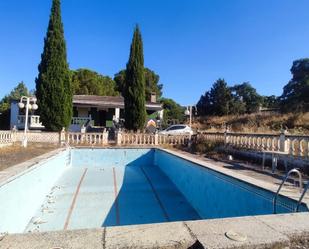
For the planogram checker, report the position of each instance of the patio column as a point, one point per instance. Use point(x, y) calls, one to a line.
point(117, 114)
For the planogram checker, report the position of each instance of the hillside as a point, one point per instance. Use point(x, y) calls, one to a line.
point(259, 123)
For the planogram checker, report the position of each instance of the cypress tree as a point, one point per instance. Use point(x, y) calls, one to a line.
point(134, 87)
point(53, 84)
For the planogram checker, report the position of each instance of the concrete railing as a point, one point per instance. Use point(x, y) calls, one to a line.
point(135, 139)
point(150, 139)
point(33, 121)
point(171, 140)
point(6, 138)
point(76, 138)
point(292, 145)
point(296, 146)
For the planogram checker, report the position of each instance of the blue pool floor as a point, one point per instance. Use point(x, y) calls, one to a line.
point(93, 197)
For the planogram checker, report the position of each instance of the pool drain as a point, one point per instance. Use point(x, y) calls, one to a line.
point(232, 235)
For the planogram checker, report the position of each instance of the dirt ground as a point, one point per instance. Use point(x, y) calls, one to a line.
point(15, 154)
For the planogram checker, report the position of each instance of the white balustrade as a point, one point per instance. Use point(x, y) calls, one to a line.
point(33, 121)
point(6, 138)
point(296, 146)
point(150, 139)
point(79, 138)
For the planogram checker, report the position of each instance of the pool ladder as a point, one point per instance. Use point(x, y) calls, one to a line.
point(300, 188)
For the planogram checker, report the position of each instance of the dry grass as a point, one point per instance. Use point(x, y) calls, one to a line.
point(15, 154)
point(267, 123)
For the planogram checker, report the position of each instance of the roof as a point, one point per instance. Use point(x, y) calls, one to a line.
point(108, 102)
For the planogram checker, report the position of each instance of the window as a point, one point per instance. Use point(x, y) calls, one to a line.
point(176, 127)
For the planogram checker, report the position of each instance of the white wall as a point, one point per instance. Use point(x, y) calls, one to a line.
point(24, 193)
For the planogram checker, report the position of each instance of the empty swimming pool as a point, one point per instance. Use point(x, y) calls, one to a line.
point(89, 188)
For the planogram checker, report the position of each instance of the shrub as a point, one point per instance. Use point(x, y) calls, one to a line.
point(203, 146)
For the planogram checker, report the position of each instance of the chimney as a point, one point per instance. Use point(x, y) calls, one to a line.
point(153, 97)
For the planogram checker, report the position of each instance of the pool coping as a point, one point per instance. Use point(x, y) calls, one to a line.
point(263, 231)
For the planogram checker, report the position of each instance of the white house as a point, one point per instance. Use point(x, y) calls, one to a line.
point(100, 111)
point(18, 117)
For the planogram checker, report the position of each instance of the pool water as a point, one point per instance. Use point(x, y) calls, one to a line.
point(90, 188)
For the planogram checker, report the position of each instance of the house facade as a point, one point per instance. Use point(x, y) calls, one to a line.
point(18, 117)
point(99, 111)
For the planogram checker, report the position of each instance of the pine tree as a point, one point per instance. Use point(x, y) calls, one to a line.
point(134, 87)
point(220, 97)
point(53, 84)
point(295, 96)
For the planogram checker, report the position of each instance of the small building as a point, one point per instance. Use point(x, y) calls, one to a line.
point(268, 111)
point(18, 118)
point(103, 110)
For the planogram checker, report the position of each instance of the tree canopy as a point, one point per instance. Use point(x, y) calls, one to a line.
point(134, 86)
point(218, 101)
point(295, 96)
point(53, 84)
point(88, 82)
point(248, 95)
point(19, 91)
point(5, 103)
point(220, 97)
point(271, 101)
point(172, 111)
point(238, 99)
point(151, 83)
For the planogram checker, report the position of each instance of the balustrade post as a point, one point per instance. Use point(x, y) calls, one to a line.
point(156, 139)
point(225, 137)
point(283, 146)
point(62, 136)
point(105, 137)
point(119, 138)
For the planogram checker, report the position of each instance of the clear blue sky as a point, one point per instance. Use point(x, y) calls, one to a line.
point(189, 43)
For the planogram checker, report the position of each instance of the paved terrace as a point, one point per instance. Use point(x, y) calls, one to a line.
point(269, 231)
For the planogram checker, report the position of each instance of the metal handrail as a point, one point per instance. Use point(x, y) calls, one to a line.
point(301, 197)
point(283, 181)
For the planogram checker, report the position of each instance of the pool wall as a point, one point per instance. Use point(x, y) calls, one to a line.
point(229, 197)
point(266, 231)
point(23, 194)
point(111, 157)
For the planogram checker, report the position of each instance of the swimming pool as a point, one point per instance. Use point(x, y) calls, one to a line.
point(90, 188)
